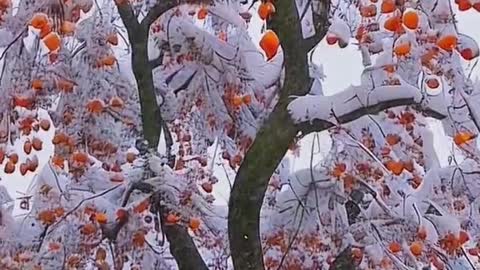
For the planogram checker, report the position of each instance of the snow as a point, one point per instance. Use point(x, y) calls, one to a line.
point(329, 108)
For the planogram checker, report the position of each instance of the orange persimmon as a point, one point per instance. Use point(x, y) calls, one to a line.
point(113, 39)
point(194, 223)
point(39, 20)
point(37, 144)
point(396, 167)
point(101, 218)
point(265, 10)
point(37, 84)
point(402, 49)
point(270, 43)
point(52, 41)
point(416, 248)
point(411, 19)
point(95, 106)
point(447, 42)
point(393, 139)
point(207, 187)
point(202, 13)
point(45, 124)
point(395, 247)
point(388, 6)
point(463, 137)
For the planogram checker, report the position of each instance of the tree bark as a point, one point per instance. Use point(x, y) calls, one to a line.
point(182, 246)
point(272, 140)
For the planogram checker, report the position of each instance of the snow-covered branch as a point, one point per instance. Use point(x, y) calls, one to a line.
point(317, 113)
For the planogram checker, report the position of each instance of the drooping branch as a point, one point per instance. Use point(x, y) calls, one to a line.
point(182, 246)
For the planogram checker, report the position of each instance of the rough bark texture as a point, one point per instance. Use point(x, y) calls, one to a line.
point(182, 246)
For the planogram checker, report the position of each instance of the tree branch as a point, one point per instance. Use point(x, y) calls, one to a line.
point(317, 125)
point(157, 10)
point(182, 246)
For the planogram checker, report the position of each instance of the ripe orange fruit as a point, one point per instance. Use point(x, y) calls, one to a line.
point(27, 147)
point(194, 223)
point(37, 84)
point(13, 158)
point(138, 239)
point(463, 137)
point(207, 187)
point(331, 39)
point(410, 19)
point(80, 157)
point(65, 86)
point(39, 20)
point(247, 99)
point(432, 83)
point(270, 43)
point(101, 218)
point(447, 42)
point(122, 215)
point(402, 49)
point(45, 124)
point(368, 11)
point(396, 167)
point(393, 139)
point(393, 24)
point(23, 169)
point(463, 237)
point(265, 10)
point(395, 247)
point(131, 157)
point(113, 39)
point(108, 60)
point(339, 169)
point(422, 233)
point(88, 229)
point(58, 161)
point(237, 101)
point(95, 106)
point(202, 13)
point(464, 5)
point(37, 144)
point(416, 248)
point(172, 219)
point(388, 6)
point(52, 41)
point(9, 167)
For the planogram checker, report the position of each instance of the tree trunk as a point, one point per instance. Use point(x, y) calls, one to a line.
point(271, 142)
point(182, 246)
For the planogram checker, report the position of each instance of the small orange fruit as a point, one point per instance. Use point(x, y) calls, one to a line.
point(194, 223)
point(270, 44)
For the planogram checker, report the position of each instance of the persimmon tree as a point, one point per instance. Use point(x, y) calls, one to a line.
point(139, 92)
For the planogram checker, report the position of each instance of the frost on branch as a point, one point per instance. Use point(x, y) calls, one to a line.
point(328, 108)
point(214, 84)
